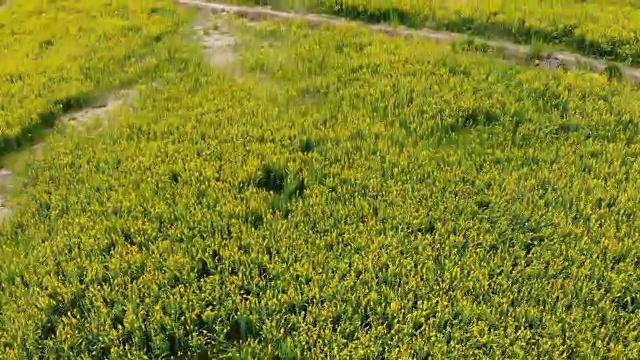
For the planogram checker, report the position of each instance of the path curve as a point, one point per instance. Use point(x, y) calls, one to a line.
point(77, 119)
point(509, 50)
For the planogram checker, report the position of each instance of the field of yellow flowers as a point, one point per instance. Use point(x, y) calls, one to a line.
point(343, 194)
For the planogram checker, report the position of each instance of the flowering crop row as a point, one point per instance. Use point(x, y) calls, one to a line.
point(606, 29)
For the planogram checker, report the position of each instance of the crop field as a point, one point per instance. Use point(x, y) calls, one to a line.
point(603, 28)
point(323, 192)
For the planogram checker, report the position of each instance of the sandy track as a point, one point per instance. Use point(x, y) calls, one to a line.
point(507, 50)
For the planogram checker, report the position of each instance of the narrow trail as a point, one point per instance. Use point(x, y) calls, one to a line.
point(99, 111)
point(77, 119)
point(506, 50)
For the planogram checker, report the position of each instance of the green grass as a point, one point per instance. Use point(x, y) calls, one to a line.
point(348, 195)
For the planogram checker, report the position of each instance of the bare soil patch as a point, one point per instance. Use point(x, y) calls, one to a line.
point(100, 111)
point(219, 43)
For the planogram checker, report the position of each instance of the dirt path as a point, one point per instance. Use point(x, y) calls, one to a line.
point(99, 111)
point(218, 42)
point(506, 50)
point(77, 119)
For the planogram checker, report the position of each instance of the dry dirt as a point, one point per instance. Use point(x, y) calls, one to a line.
point(218, 42)
point(100, 111)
